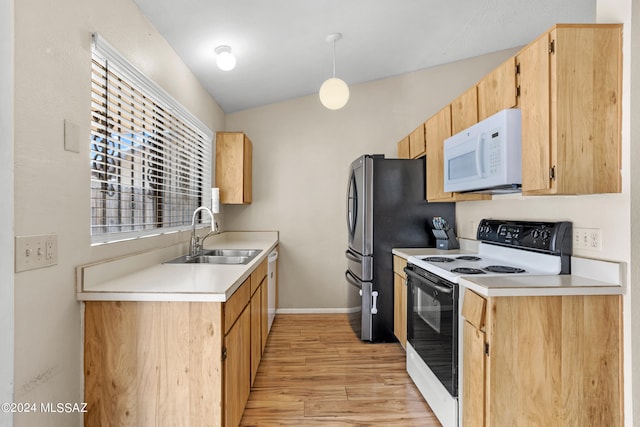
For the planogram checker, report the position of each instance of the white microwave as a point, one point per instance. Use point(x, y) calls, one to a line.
point(487, 157)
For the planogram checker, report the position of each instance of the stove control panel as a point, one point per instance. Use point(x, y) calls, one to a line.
point(548, 237)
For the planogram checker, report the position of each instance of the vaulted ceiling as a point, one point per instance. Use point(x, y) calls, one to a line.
point(281, 46)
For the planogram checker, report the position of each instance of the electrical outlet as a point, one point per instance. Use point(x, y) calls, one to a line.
point(36, 251)
point(587, 238)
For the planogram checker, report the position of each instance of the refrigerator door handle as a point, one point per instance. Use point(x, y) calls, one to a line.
point(351, 256)
point(352, 205)
point(353, 280)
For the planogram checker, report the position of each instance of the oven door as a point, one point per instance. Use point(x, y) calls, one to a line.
point(432, 329)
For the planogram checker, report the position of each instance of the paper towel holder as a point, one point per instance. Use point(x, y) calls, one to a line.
point(215, 200)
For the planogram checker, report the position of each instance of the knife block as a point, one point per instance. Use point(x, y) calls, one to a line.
point(446, 239)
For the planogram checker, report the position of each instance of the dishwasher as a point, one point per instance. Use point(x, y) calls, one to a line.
point(271, 285)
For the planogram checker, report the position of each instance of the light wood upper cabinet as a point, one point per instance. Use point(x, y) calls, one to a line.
point(412, 146)
point(497, 90)
point(234, 157)
point(437, 129)
point(417, 142)
point(534, 105)
point(570, 92)
point(403, 148)
point(535, 358)
point(464, 111)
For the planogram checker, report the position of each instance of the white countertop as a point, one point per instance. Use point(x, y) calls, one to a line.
point(152, 280)
point(589, 277)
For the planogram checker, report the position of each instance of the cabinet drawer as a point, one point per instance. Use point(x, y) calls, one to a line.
point(399, 264)
point(473, 308)
point(258, 275)
point(236, 304)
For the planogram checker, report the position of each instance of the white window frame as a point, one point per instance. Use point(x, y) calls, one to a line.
point(150, 157)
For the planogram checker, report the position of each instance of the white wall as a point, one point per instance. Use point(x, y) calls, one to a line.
point(6, 209)
point(52, 84)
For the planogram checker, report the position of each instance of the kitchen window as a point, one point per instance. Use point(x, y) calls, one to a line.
point(150, 157)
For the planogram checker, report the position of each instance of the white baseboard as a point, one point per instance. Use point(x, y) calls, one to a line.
point(317, 310)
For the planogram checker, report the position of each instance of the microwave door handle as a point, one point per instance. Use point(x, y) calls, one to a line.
point(479, 144)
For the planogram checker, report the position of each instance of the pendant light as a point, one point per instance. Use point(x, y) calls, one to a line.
point(334, 93)
point(225, 60)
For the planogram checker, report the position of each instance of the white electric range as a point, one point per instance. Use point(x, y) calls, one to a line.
point(434, 343)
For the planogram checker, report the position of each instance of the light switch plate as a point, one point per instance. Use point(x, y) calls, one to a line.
point(71, 137)
point(36, 251)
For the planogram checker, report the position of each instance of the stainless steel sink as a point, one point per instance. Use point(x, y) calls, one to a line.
point(231, 252)
point(219, 256)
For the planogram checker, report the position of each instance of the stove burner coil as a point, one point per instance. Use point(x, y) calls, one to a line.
point(438, 259)
point(504, 269)
point(469, 258)
point(467, 270)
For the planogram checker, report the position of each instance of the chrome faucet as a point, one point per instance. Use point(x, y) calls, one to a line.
point(195, 244)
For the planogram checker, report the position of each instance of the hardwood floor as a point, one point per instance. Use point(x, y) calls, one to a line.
point(316, 372)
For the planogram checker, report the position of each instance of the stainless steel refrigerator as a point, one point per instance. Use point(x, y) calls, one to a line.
point(386, 208)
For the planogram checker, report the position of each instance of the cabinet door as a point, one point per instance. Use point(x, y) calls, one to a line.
point(237, 369)
point(234, 157)
point(256, 332)
point(416, 142)
point(400, 300)
point(264, 313)
point(464, 111)
point(497, 90)
point(535, 107)
point(403, 148)
point(400, 308)
point(437, 129)
point(473, 369)
point(585, 107)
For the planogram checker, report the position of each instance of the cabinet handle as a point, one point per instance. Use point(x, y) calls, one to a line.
point(224, 353)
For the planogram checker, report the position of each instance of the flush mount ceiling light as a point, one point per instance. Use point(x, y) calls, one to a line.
point(225, 60)
point(334, 93)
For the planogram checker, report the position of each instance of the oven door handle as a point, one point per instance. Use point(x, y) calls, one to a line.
point(439, 288)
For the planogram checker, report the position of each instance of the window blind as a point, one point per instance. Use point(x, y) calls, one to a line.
point(150, 158)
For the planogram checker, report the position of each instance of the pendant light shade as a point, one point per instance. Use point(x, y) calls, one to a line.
point(225, 59)
point(334, 92)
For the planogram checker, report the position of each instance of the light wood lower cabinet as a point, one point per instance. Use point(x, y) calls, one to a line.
point(545, 361)
point(237, 368)
point(258, 316)
point(173, 363)
point(400, 300)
